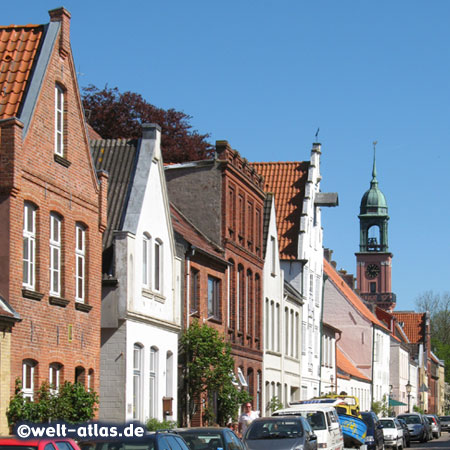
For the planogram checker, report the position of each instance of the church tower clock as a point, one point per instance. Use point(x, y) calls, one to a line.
point(374, 261)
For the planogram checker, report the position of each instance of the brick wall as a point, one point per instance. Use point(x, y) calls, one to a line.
point(48, 333)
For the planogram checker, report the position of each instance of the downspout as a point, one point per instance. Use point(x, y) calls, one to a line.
point(324, 278)
point(189, 253)
point(373, 362)
point(335, 362)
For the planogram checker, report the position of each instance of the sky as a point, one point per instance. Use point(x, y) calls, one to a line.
point(265, 75)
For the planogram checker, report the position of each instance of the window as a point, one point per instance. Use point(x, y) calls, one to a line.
point(90, 379)
point(28, 367)
point(258, 390)
point(80, 375)
point(137, 380)
point(373, 287)
point(157, 266)
point(169, 374)
point(213, 297)
point(195, 290)
point(59, 121)
point(232, 210)
point(258, 231)
point(55, 254)
point(146, 252)
point(29, 245)
point(241, 217)
point(250, 230)
point(80, 252)
point(153, 382)
point(54, 375)
point(273, 256)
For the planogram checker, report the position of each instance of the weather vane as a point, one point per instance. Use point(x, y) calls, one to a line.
point(317, 133)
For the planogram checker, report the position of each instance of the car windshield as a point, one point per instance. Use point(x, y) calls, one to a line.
point(411, 419)
point(387, 423)
point(315, 418)
point(275, 429)
point(202, 440)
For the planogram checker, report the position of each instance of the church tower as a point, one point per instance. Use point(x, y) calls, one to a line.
point(374, 261)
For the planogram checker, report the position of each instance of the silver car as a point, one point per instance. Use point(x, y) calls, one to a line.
point(280, 433)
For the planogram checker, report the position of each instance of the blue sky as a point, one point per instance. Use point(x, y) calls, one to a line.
point(264, 75)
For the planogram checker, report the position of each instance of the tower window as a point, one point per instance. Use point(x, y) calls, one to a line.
point(373, 287)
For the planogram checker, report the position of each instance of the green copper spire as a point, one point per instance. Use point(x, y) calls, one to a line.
point(374, 170)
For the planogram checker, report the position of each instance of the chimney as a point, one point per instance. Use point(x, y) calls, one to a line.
point(327, 254)
point(63, 16)
point(221, 148)
point(150, 130)
point(348, 278)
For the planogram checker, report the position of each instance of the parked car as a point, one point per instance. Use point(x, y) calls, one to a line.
point(151, 441)
point(419, 427)
point(445, 423)
point(323, 420)
point(435, 425)
point(406, 433)
point(210, 438)
point(393, 432)
point(280, 433)
point(375, 436)
point(38, 444)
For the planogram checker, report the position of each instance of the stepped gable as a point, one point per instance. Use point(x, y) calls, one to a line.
point(286, 181)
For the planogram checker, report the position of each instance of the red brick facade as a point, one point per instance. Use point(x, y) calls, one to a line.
point(242, 237)
point(54, 328)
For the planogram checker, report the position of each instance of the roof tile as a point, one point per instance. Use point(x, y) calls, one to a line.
point(413, 325)
point(347, 367)
point(19, 46)
point(286, 180)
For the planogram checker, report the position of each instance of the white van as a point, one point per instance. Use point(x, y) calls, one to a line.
point(323, 420)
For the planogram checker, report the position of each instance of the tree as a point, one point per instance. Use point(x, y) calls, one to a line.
point(117, 115)
point(72, 403)
point(439, 308)
point(208, 369)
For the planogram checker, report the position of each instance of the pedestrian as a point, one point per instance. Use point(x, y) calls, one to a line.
point(246, 418)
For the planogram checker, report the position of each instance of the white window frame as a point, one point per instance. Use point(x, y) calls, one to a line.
point(54, 377)
point(137, 381)
point(153, 382)
point(241, 378)
point(146, 261)
point(28, 389)
point(214, 288)
point(59, 120)
point(80, 263)
point(157, 265)
point(55, 254)
point(29, 246)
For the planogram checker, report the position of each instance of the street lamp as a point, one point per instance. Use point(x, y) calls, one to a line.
point(408, 390)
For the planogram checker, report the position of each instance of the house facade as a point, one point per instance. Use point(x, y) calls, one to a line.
point(141, 317)
point(224, 198)
point(296, 189)
point(281, 322)
point(53, 209)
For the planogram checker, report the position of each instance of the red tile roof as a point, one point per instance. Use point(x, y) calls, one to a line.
point(413, 325)
point(349, 294)
point(286, 180)
point(346, 366)
point(18, 49)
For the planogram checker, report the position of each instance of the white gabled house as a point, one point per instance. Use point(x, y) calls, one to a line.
point(281, 321)
point(141, 305)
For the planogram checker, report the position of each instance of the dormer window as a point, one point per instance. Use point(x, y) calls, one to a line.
point(59, 121)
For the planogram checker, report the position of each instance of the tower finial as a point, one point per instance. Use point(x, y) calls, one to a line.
point(374, 170)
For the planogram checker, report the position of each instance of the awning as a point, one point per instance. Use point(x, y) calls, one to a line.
point(393, 402)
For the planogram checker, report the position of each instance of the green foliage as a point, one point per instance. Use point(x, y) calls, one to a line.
point(418, 409)
point(155, 425)
point(381, 407)
point(275, 404)
point(439, 308)
point(72, 403)
point(208, 368)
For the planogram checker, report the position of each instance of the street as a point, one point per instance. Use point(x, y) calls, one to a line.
point(442, 443)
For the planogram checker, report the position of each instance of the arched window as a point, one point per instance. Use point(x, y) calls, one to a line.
point(169, 374)
point(240, 298)
point(249, 313)
point(54, 376)
point(80, 375)
point(29, 245)
point(59, 120)
point(55, 254)
point(373, 237)
point(146, 260)
point(231, 307)
point(80, 267)
point(153, 382)
point(28, 378)
point(157, 266)
point(258, 311)
point(137, 380)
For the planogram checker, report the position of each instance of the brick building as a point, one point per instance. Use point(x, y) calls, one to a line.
point(203, 283)
point(223, 197)
point(52, 209)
